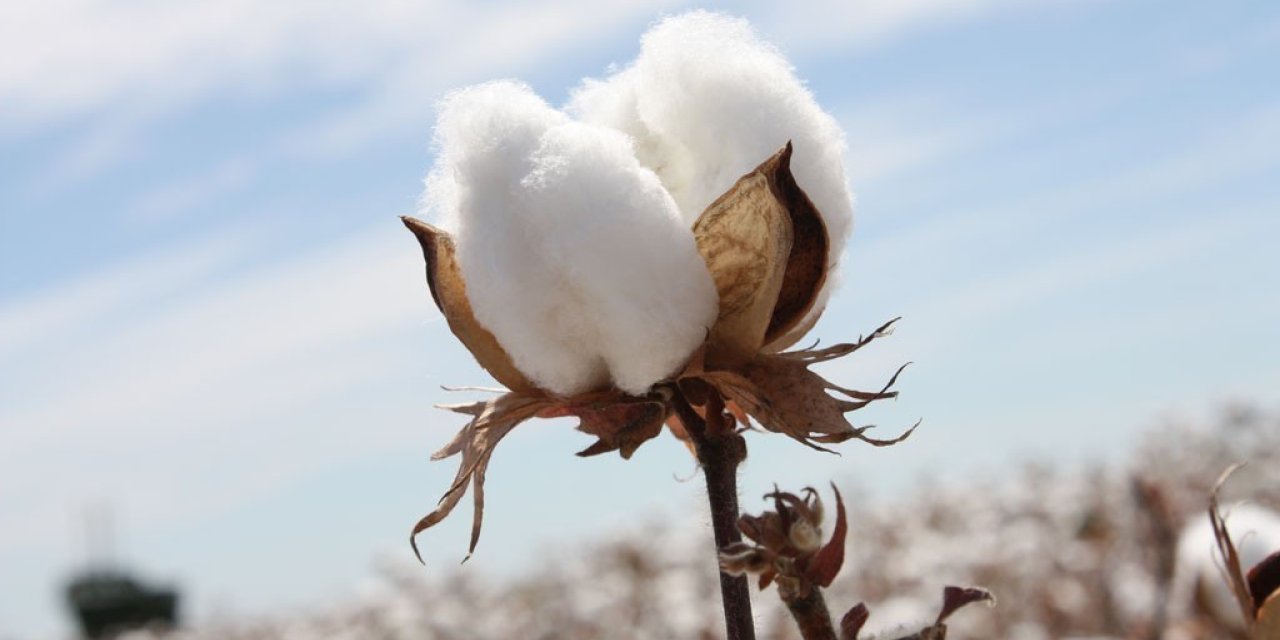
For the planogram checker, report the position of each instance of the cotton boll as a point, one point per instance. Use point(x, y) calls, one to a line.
point(619, 240)
point(1256, 533)
point(485, 137)
point(574, 255)
point(706, 101)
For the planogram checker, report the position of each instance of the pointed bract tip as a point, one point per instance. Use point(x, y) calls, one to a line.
point(420, 228)
point(954, 598)
point(852, 622)
point(413, 542)
point(784, 158)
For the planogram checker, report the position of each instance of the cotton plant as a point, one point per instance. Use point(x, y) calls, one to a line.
point(646, 256)
point(1256, 589)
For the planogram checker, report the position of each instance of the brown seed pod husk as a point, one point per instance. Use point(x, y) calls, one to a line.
point(745, 237)
point(449, 290)
point(807, 264)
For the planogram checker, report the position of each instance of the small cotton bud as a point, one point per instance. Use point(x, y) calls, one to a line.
point(766, 530)
point(805, 536)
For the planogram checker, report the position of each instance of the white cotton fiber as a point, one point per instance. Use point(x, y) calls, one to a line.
point(706, 101)
point(574, 255)
point(1255, 531)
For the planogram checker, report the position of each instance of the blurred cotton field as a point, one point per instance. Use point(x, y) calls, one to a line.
point(1069, 553)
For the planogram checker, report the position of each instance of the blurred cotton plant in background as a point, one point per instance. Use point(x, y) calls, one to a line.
point(1070, 553)
point(643, 258)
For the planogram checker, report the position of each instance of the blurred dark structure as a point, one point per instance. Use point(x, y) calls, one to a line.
point(107, 602)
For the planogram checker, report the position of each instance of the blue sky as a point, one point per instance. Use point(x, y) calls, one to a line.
point(211, 319)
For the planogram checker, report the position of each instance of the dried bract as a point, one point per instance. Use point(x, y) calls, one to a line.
point(953, 599)
point(1258, 592)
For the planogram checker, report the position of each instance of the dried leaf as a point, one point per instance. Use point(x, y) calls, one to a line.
point(492, 420)
point(745, 237)
point(956, 598)
point(621, 423)
point(1234, 574)
point(814, 354)
point(826, 563)
point(852, 622)
point(784, 396)
point(449, 291)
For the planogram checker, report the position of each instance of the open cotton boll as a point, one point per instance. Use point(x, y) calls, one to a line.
point(706, 101)
point(1255, 530)
point(574, 256)
point(618, 238)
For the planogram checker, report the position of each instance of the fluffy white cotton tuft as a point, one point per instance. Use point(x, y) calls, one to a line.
point(706, 101)
point(574, 255)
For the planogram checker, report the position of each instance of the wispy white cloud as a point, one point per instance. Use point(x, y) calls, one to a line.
point(830, 25)
point(958, 283)
point(1239, 147)
point(991, 301)
point(902, 134)
point(110, 143)
point(170, 356)
point(202, 368)
point(174, 199)
point(66, 58)
point(69, 57)
point(487, 44)
point(33, 320)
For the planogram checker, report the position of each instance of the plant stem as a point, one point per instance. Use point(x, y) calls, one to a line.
point(721, 469)
point(811, 615)
point(720, 449)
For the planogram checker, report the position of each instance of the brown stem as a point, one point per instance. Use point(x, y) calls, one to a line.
point(811, 615)
point(720, 449)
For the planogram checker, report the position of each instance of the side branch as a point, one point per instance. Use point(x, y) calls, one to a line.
point(811, 615)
